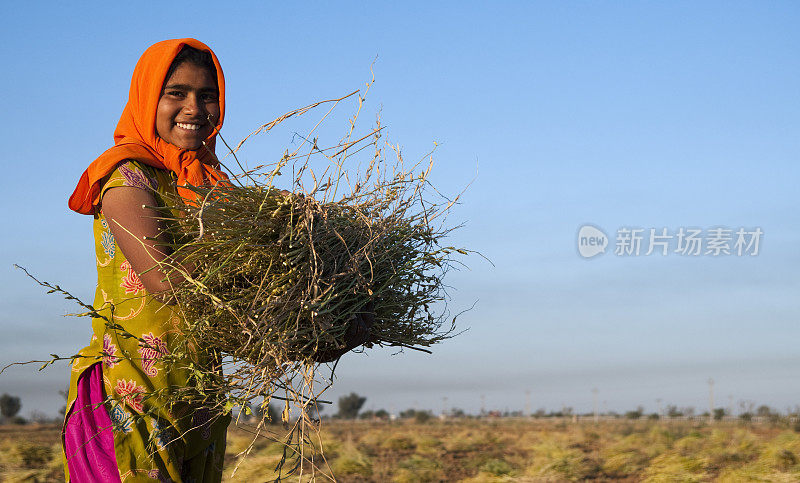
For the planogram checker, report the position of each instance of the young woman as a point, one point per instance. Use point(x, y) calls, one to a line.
point(119, 425)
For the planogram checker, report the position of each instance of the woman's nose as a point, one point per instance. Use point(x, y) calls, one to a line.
point(193, 105)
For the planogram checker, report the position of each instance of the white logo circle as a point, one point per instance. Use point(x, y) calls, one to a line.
point(591, 241)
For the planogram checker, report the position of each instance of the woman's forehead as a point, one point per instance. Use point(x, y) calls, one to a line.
point(193, 75)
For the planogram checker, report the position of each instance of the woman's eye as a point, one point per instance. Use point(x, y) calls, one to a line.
point(175, 93)
point(209, 97)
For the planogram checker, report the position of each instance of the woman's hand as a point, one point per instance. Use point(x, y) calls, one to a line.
point(360, 329)
point(358, 333)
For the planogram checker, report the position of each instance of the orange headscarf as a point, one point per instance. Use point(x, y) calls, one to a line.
point(136, 138)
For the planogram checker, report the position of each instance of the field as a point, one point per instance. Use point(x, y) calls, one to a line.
point(487, 450)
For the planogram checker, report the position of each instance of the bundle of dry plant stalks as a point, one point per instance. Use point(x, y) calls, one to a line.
point(277, 277)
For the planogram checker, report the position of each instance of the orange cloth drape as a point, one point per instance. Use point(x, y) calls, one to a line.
point(135, 136)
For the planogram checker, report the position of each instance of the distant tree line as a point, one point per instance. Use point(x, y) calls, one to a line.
point(350, 405)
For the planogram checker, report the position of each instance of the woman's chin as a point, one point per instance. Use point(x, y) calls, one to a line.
point(192, 145)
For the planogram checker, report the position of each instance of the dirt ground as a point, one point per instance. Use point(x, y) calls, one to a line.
point(480, 450)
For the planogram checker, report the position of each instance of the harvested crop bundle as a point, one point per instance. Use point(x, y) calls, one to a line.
point(279, 277)
point(277, 280)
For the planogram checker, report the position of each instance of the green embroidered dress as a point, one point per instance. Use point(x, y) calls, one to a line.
point(153, 441)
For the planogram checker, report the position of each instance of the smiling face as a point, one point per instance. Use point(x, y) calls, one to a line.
point(187, 100)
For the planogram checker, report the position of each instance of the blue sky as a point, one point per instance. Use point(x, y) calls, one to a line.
point(647, 114)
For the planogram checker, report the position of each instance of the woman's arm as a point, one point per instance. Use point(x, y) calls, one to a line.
point(140, 236)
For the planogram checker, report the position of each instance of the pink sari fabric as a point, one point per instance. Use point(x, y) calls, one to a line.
point(88, 437)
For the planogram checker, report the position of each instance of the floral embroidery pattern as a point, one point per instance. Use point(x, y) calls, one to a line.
point(163, 434)
point(201, 419)
point(130, 393)
point(121, 419)
point(136, 178)
point(151, 349)
point(130, 282)
point(108, 243)
point(156, 475)
point(109, 352)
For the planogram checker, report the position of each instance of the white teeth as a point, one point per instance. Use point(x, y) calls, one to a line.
point(191, 127)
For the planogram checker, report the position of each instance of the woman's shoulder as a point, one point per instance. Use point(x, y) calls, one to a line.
point(136, 174)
